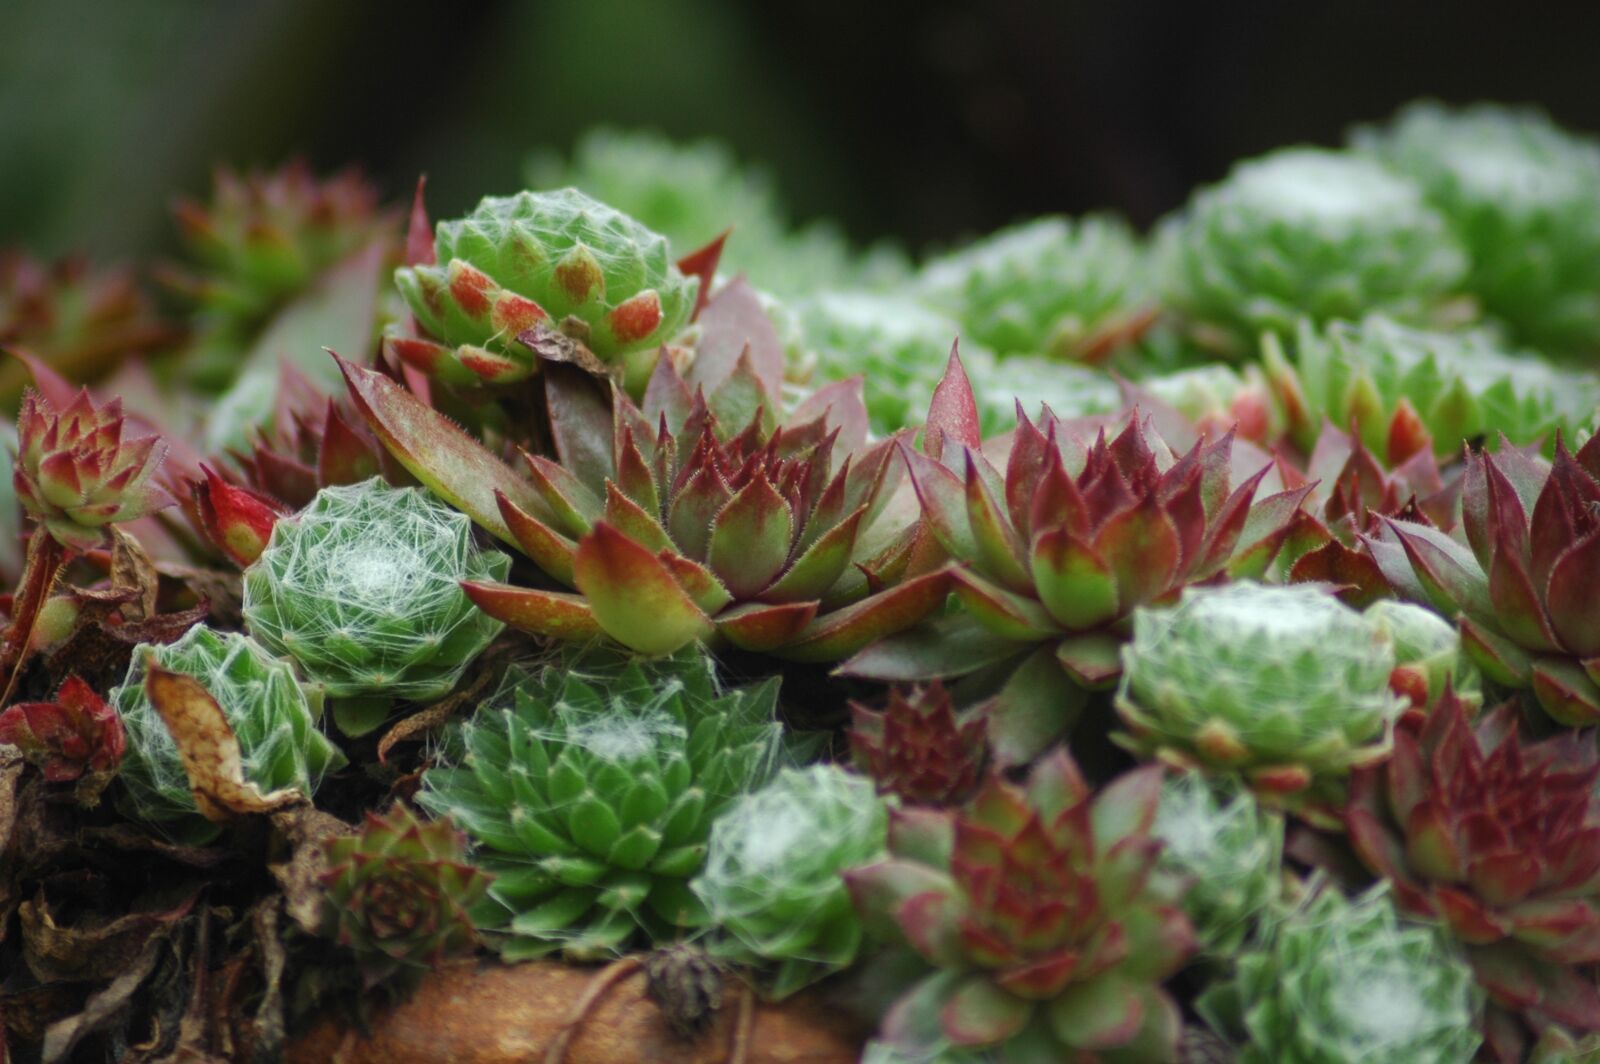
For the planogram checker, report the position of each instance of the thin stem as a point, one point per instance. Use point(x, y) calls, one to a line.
point(45, 559)
point(598, 987)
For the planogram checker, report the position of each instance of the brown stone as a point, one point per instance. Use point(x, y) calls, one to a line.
point(506, 1014)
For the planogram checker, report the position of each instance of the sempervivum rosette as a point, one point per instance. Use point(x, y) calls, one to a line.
point(771, 881)
point(589, 789)
point(1523, 196)
point(1305, 232)
point(1227, 852)
point(1052, 286)
point(1084, 526)
point(397, 895)
point(1045, 934)
point(1399, 386)
point(1345, 982)
point(557, 258)
point(1522, 588)
point(1285, 686)
point(1499, 840)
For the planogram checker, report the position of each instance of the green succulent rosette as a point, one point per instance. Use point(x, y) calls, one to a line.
point(362, 589)
point(1053, 286)
point(1523, 196)
point(1347, 982)
point(772, 882)
point(1305, 232)
point(902, 349)
point(1384, 377)
point(1226, 850)
point(1286, 687)
point(589, 788)
point(560, 259)
point(272, 716)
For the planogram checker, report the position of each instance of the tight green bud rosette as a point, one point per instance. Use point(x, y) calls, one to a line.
point(1523, 195)
point(1286, 686)
point(1347, 982)
point(772, 876)
point(557, 258)
point(1226, 850)
point(270, 713)
point(589, 789)
point(1052, 286)
point(1305, 232)
point(362, 589)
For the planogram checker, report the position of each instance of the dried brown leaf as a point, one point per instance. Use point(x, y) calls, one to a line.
point(132, 570)
point(102, 1006)
point(93, 950)
point(208, 748)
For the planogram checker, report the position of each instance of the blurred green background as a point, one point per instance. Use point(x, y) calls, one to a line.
point(921, 122)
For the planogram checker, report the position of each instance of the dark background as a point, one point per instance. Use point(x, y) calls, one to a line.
point(920, 122)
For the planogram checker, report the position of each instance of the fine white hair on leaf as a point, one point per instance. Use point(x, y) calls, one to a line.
point(362, 589)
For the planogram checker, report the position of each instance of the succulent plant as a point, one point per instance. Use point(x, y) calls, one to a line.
point(1057, 554)
point(1305, 232)
point(902, 347)
point(398, 894)
point(917, 747)
point(697, 518)
point(771, 879)
point(1400, 386)
point(558, 258)
point(266, 235)
point(77, 733)
point(363, 590)
point(1522, 593)
point(80, 319)
point(1341, 981)
point(1285, 686)
point(1520, 194)
point(1429, 659)
point(1227, 853)
point(314, 442)
point(690, 192)
point(1499, 840)
point(1074, 289)
point(76, 475)
point(589, 789)
point(1036, 909)
point(272, 716)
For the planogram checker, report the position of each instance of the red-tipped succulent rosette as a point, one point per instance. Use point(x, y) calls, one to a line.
point(1498, 839)
point(699, 517)
point(1524, 584)
point(918, 747)
point(1036, 911)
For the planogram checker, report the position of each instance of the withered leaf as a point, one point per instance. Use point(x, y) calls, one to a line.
point(132, 569)
point(93, 950)
point(430, 717)
point(102, 1007)
point(208, 748)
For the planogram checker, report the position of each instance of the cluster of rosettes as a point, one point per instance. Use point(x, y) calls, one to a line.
point(271, 715)
point(362, 589)
point(267, 235)
point(1305, 233)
